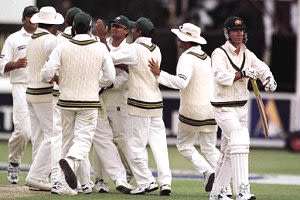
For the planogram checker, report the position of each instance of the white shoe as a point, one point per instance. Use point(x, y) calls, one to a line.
point(227, 191)
point(13, 174)
point(87, 188)
point(209, 178)
point(101, 186)
point(244, 193)
point(221, 196)
point(165, 190)
point(143, 188)
point(59, 188)
point(68, 167)
point(36, 184)
point(123, 186)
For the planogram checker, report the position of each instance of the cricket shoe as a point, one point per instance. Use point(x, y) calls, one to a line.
point(59, 188)
point(101, 186)
point(227, 191)
point(39, 185)
point(221, 196)
point(123, 186)
point(13, 173)
point(87, 188)
point(68, 167)
point(143, 188)
point(244, 193)
point(209, 178)
point(165, 190)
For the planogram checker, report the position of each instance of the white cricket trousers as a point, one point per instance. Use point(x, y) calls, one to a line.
point(207, 141)
point(21, 120)
point(107, 153)
point(41, 116)
point(78, 128)
point(233, 122)
point(143, 131)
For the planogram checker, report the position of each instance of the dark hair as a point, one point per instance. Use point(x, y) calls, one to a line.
point(45, 26)
point(81, 29)
point(29, 11)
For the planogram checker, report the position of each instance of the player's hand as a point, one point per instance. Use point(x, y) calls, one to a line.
point(270, 84)
point(154, 67)
point(250, 73)
point(21, 63)
point(101, 28)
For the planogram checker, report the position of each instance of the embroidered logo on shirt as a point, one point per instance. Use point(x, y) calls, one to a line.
point(21, 47)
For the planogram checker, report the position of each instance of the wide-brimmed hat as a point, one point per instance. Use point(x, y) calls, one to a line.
point(189, 33)
point(47, 15)
point(121, 20)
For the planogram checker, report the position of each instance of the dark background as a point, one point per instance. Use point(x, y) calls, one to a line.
point(167, 14)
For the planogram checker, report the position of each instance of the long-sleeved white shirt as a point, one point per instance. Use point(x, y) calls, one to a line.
point(13, 49)
point(226, 89)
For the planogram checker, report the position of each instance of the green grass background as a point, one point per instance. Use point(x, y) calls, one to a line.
point(261, 161)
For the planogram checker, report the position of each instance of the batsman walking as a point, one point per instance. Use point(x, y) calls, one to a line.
point(233, 64)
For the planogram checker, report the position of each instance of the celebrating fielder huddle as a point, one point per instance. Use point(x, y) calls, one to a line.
point(109, 99)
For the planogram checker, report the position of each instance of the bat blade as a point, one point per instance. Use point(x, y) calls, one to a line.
point(261, 108)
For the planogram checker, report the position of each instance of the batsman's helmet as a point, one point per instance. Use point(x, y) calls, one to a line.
point(234, 23)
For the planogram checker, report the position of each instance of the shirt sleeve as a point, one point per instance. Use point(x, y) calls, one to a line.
point(52, 64)
point(221, 74)
point(109, 72)
point(263, 69)
point(50, 44)
point(6, 54)
point(121, 79)
point(182, 77)
point(126, 55)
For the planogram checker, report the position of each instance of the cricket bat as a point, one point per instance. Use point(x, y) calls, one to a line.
point(261, 108)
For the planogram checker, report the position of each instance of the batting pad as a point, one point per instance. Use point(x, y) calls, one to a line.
point(239, 150)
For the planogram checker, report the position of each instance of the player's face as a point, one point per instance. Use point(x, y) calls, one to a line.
point(135, 33)
point(117, 31)
point(237, 36)
point(28, 26)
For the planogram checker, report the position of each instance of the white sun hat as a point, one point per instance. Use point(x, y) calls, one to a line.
point(189, 33)
point(47, 15)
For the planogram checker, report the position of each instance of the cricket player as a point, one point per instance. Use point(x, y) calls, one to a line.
point(84, 65)
point(39, 95)
point(233, 65)
point(145, 123)
point(13, 61)
point(195, 81)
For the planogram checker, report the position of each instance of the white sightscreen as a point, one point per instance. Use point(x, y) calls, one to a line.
point(11, 10)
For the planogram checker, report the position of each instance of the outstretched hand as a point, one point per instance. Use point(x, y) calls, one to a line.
point(154, 67)
point(101, 29)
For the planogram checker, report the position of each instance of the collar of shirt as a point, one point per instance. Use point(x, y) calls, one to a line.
point(109, 43)
point(40, 30)
point(145, 40)
point(68, 30)
point(232, 48)
point(24, 32)
point(81, 37)
point(196, 49)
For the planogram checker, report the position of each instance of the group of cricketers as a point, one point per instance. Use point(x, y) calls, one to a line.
point(91, 89)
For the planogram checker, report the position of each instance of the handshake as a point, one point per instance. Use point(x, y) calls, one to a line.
point(252, 73)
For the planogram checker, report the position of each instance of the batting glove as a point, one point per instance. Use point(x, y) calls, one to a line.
point(270, 84)
point(250, 73)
